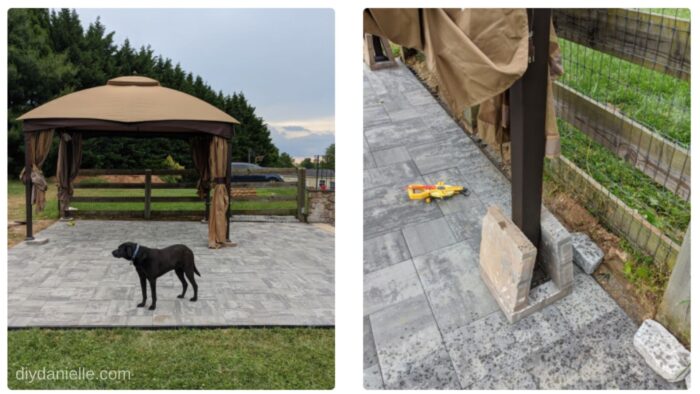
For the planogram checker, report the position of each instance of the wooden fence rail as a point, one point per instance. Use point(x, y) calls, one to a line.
point(241, 191)
point(658, 42)
point(664, 161)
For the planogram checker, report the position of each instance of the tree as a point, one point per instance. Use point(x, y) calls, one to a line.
point(285, 161)
point(50, 54)
point(329, 159)
point(307, 163)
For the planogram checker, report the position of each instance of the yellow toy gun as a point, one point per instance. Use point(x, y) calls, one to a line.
point(439, 190)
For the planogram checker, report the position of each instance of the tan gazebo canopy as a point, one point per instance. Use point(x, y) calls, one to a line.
point(130, 106)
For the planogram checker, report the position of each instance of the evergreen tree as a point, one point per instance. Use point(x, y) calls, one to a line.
point(50, 54)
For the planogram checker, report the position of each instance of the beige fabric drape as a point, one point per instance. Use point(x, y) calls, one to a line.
point(200, 158)
point(39, 145)
point(68, 166)
point(475, 54)
point(219, 202)
point(493, 121)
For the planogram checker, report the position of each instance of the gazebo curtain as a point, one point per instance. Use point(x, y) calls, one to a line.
point(476, 55)
point(218, 221)
point(70, 153)
point(200, 158)
point(39, 145)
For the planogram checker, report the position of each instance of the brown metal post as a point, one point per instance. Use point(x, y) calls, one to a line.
point(229, 149)
point(528, 101)
point(28, 185)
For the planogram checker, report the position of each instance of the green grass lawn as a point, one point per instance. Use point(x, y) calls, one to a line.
point(256, 358)
point(658, 205)
point(659, 101)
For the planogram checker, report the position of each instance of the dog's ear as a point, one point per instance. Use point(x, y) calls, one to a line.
point(128, 249)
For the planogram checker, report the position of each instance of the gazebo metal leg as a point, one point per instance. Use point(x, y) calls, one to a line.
point(229, 148)
point(528, 102)
point(28, 186)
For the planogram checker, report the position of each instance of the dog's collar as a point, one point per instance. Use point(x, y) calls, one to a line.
point(136, 252)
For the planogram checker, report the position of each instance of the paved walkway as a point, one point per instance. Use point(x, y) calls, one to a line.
point(280, 274)
point(429, 320)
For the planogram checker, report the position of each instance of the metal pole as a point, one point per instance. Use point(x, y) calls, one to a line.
point(28, 185)
point(229, 148)
point(528, 101)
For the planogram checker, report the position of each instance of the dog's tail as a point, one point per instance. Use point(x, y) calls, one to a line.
point(197, 272)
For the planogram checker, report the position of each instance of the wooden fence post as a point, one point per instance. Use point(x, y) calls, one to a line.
point(147, 196)
point(301, 194)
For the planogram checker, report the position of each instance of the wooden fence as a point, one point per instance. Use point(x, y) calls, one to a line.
point(655, 42)
point(240, 192)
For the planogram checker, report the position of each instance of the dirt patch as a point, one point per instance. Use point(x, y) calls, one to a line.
point(16, 231)
point(637, 301)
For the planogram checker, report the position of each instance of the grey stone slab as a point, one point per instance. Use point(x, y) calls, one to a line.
point(454, 289)
point(74, 281)
point(390, 285)
point(491, 344)
point(404, 132)
point(388, 209)
point(662, 351)
point(424, 237)
point(398, 174)
point(586, 303)
point(372, 378)
point(459, 203)
point(375, 115)
point(410, 349)
point(367, 158)
point(441, 154)
point(587, 254)
point(385, 250)
point(390, 156)
point(370, 350)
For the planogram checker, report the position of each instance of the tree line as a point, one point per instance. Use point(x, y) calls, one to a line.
point(50, 55)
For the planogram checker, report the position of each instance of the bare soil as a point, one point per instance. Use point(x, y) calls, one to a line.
point(121, 178)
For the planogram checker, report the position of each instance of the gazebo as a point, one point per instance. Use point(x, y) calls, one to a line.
point(130, 106)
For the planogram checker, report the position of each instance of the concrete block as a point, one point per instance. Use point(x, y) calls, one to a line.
point(587, 254)
point(556, 250)
point(662, 351)
point(506, 261)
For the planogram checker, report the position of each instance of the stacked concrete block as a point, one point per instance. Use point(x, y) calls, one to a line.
point(557, 252)
point(506, 261)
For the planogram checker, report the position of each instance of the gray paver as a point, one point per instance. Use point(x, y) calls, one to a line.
point(385, 250)
point(444, 336)
point(269, 279)
point(409, 347)
point(390, 285)
point(428, 236)
point(451, 280)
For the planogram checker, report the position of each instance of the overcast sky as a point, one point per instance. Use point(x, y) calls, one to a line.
point(282, 60)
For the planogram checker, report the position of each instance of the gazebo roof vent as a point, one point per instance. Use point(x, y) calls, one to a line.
point(133, 80)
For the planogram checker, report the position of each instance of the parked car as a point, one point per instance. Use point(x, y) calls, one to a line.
point(251, 175)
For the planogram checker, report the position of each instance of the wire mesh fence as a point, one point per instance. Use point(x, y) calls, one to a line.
point(623, 105)
point(320, 173)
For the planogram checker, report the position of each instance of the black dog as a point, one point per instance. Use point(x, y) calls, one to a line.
point(152, 263)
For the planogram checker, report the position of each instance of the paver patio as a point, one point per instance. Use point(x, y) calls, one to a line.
point(280, 274)
point(430, 322)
